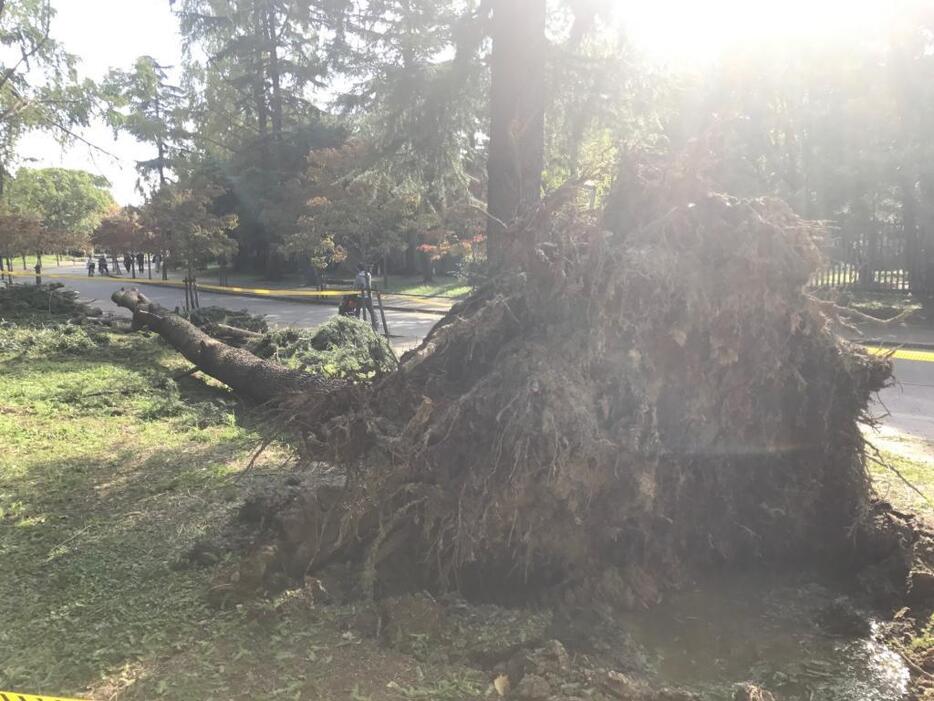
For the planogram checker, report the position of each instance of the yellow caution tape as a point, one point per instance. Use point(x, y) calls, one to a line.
point(175, 283)
point(902, 353)
point(276, 293)
point(14, 696)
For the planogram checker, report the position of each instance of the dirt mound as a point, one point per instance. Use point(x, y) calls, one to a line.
point(628, 406)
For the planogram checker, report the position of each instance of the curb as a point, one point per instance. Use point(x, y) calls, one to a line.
point(892, 344)
point(301, 300)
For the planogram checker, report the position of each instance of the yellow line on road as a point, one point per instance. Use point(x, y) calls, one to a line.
point(903, 353)
point(14, 696)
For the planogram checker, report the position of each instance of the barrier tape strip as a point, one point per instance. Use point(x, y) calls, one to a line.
point(13, 696)
point(903, 353)
point(180, 285)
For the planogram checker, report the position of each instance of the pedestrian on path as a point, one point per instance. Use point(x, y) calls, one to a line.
point(91, 265)
point(363, 282)
point(102, 265)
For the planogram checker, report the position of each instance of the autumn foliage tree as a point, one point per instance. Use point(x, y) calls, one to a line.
point(359, 212)
point(184, 226)
point(68, 205)
point(17, 232)
point(121, 232)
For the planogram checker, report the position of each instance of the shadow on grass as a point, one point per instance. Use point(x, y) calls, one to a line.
point(88, 554)
point(110, 472)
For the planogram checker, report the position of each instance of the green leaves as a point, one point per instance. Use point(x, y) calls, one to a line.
point(39, 85)
point(181, 219)
point(63, 205)
point(144, 104)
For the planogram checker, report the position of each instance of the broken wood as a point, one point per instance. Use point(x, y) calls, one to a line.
point(226, 330)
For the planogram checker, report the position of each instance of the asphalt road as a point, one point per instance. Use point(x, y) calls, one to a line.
point(406, 328)
point(909, 404)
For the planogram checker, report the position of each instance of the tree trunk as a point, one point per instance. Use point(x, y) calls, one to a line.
point(517, 125)
point(248, 375)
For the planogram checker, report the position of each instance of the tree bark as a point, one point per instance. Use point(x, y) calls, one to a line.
point(517, 116)
point(251, 377)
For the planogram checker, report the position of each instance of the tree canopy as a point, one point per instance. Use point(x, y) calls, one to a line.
point(39, 83)
point(386, 128)
point(72, 201)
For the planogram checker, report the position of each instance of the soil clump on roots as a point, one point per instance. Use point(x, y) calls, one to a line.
point(621, 410)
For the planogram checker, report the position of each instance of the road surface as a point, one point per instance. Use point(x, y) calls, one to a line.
point(407, 328)
point(910, 402)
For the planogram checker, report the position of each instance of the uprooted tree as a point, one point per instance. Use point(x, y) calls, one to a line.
point(614, 411)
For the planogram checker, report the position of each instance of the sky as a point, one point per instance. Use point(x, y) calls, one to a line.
point(113, 33)
point(107, 34)
point(694, 31)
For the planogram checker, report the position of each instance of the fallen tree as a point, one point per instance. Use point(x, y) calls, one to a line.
point(245, 373)
point(620, 409)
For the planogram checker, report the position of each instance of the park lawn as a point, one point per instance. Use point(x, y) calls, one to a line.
point(105, 478)
point(442, 286)
point(909, 460)
point(47, 260)
point(915, 469)
point(109, 473)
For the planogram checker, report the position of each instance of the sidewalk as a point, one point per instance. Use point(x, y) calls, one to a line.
point(910, 335)
point(267, 289)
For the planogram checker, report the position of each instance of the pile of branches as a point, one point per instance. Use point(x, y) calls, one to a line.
point(342, 347)
point(619, 409)
point(31, 302)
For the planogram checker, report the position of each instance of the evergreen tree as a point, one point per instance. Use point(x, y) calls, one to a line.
point(152, 109)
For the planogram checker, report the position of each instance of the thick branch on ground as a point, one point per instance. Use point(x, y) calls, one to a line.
point(252, 377)
point(234, 332)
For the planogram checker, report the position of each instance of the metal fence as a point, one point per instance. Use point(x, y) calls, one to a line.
point(878, 262)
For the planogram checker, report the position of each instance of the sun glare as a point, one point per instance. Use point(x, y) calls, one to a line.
point(690, 30)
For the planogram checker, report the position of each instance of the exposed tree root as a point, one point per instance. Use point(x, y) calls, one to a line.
point(627, 408)
point(622, 409)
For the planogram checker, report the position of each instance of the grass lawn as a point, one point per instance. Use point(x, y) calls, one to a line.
point(47, 260)
point(109, 472)
point(443, 286)
point(908, 456)
point(913, 460)
point(915, 469)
